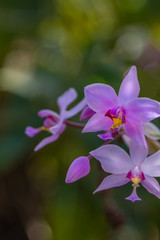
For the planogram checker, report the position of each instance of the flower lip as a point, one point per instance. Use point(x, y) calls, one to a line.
point(117, 115)
point(53, 118)
point(133, 197)
point(136, 176)
point(117, 112)
point(136, 173)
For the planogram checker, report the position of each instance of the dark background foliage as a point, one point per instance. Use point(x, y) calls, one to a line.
point(45, 48)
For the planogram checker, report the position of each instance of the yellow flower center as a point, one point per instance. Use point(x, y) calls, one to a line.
point(136, 181)
point(44, 129)
point(117, 123)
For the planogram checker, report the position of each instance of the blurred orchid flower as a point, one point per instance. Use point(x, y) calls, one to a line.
point(137, 168)
point(55, 123)
point(110, 112)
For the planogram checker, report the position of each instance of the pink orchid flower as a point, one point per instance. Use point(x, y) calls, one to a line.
point(110, 112)
point(55, 123)
point(137, 168)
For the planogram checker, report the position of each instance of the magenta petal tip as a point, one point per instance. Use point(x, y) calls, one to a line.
point(94, 192)
point(105, 136)
point(134, 67)
point(79, 168)
point(86, 113)
point(31, 132)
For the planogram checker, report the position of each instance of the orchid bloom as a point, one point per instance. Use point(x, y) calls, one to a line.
point(137, 168)
point(110, 112)
point(55, 123)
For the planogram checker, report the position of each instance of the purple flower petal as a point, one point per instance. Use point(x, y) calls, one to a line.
point(113, 180)
point(136, 132)
point(98, 122)
point(50, 139)
point(106, 136)
point(46, 141)
point(48, 122)
point(151, 185)
point(137, 152)
point(142, 109)
point(101, 97)
point(57, 126)
point(113, 159)
point(151, 165)
point(79, 168)
point(133, 197)
point(66, 98)
point(86, 113)
point(67, 114)
point(70, 113)
point(130, 86)
point(48, 113)
point(31, 131)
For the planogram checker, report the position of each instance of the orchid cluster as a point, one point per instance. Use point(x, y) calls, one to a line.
point(127, 116)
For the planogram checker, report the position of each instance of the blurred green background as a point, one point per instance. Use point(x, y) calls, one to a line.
point(47, 47)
